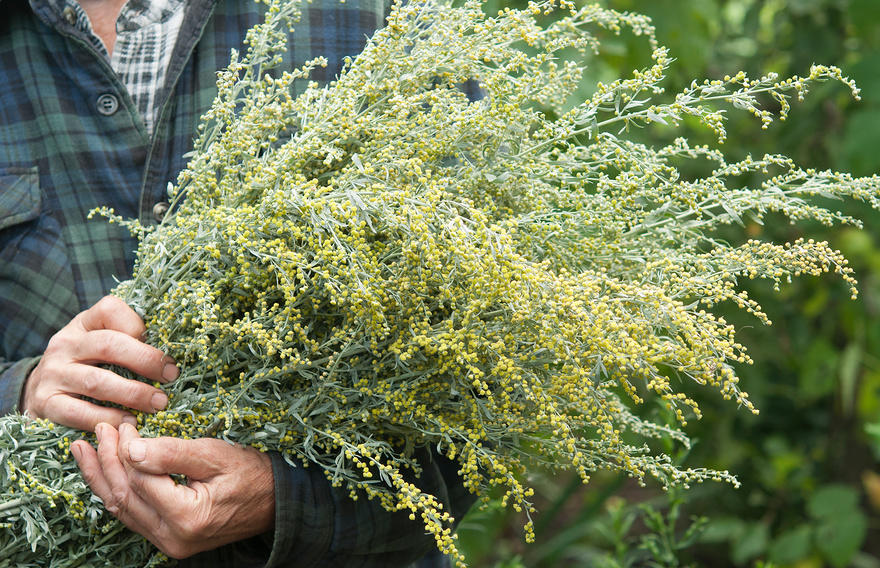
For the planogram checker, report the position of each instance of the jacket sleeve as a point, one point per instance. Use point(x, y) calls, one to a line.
point(317, 525)
point(13, 375)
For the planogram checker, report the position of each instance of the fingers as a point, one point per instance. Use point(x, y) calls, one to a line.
point(229, 493)
point(197, 459)
point(90, 467)
point(111, 332)
point(112, 313)
point(113, 347)
point(84, 415)
point(74, 380)
point(155, 487)
point(180, 520)
point(107, 333)
point(120, 499)
point(107, 478)
point(102, 384)
point(123, 489)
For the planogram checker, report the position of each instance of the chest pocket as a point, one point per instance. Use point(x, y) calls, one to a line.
point(37, 291)
point(19, 195)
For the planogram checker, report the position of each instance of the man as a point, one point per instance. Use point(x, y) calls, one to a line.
point(99, 101)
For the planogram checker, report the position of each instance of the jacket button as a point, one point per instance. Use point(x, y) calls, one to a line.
point(108, 104)
point(159, 211)
point(70, 15)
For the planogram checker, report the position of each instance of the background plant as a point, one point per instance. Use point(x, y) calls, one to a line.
point(816, 368)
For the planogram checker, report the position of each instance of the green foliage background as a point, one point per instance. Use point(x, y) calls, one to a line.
point(808, 464)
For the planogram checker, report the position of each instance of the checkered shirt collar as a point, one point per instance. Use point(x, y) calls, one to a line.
point(146, 33)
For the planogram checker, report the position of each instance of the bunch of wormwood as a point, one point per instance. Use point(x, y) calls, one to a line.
point(384, 264)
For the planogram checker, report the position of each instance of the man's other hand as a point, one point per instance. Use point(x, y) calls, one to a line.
point(229, 494)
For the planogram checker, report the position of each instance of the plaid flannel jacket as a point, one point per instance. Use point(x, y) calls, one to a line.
point(71, 140)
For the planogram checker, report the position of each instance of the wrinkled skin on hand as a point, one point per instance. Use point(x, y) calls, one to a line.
point(229, 494)
point(107, 333)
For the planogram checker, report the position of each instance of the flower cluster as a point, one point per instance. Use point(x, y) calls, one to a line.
point(386, 264)
point(48, 516)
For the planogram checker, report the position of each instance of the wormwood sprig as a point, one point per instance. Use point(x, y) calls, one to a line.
point(383, 265)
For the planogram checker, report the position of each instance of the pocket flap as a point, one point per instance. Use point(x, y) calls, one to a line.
point(19, 195)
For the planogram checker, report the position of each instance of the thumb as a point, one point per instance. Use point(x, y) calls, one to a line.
point(197, 459)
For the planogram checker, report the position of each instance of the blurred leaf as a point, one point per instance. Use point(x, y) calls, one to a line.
point(841, 536)
point(864, 16)
point(817, 303)
point(819, 365)
point(693, 532)
point(792, 546)
point(842, 526)
point(868, 399)
point(781, 462)
point(856, 244)
point(479, 531)
point(752, 543)
point(515, 562)
point(723, 529)
point(864, 73)
point(858, 151)
point(833, 501)
point(850, 365)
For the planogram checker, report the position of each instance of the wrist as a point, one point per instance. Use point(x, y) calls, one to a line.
point(13, 385)
point(264, 495)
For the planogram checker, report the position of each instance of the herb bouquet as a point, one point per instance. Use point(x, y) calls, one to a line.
point(384, 264)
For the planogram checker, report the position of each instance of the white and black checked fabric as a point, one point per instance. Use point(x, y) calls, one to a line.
point(146, 32)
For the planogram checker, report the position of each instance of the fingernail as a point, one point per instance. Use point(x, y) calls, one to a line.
point(137, 450)
point(130, 419)
point(76, 451)
point(98, 430)
point(170, 372)
point(159, 400)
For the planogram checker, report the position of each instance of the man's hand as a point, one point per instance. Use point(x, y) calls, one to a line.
point(229, 494)
point(108, 332)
